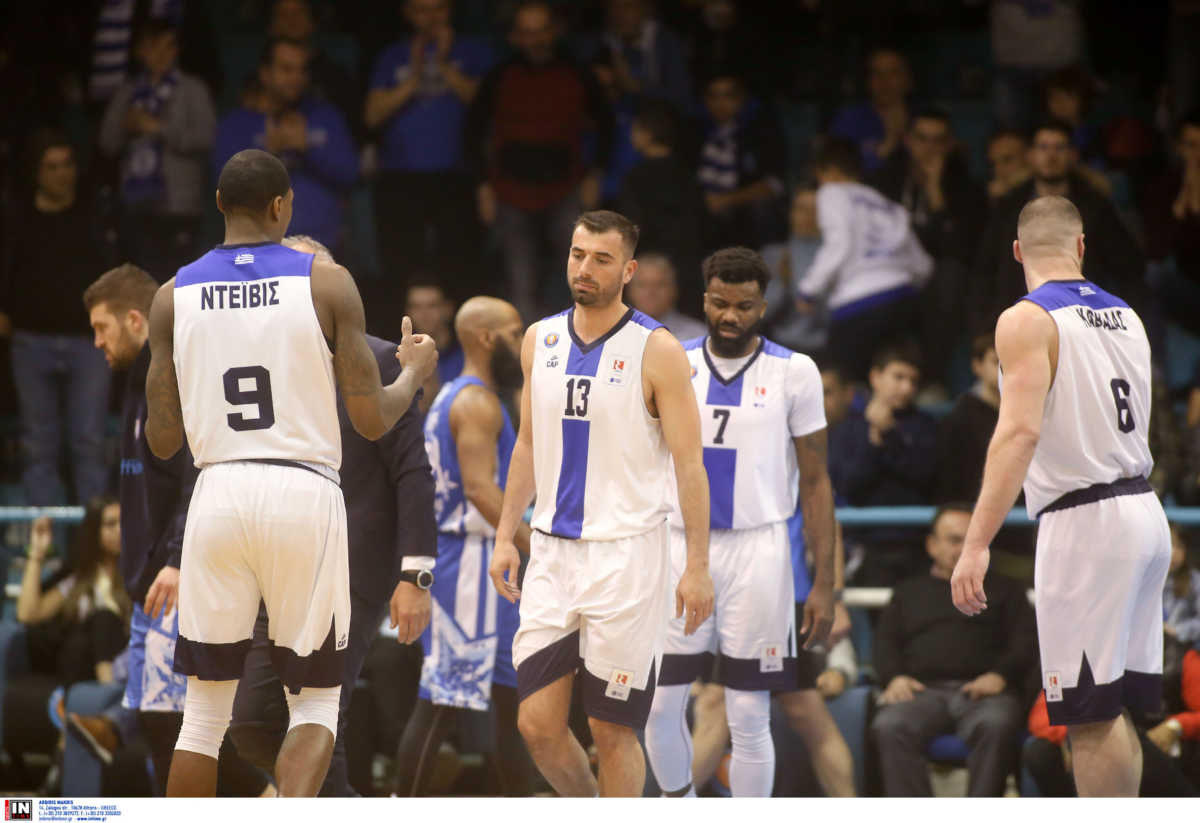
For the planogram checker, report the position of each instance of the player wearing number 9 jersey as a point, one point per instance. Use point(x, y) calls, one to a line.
point(247, 346)
point(607, 405)
point(1074, 409)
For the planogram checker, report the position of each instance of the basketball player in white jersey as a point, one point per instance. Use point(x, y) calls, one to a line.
point(246, 345)
point(1074, 415)
point(762, 418)
point(606, 406)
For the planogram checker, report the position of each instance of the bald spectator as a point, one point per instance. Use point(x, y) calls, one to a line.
point(878, 126)
point(1007, 154)
point(654, 290)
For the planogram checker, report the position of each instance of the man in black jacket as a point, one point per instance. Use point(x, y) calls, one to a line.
point(1113, 260)
point(154, 503)
point(950, 674)
point(388, 487)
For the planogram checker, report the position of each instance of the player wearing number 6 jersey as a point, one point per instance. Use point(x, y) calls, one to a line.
point(246, 346)
point(1074, 409)
point(607, 404)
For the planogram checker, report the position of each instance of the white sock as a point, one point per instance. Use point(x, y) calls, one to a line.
point(668, 740)
point(752, 768)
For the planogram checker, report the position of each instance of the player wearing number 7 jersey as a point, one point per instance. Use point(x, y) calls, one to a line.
point(247, 344)
point(607, 405)
point(1074, 409)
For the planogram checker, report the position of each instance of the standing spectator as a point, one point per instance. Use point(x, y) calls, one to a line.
point(660, 195)
point(524, 141)
point(726, 38)
point(742, 167)
point(802, 331)
point(330, 82)
point(55, 243)
point(160, 124)
point(1113, 260)
point(420, 89)
point(877, 127)
point(949, 674)
point(654, 291)
point(964, 434)
point(1030, 40)
point(1172, 223)
point(1008, 156)
point(884, 457)
point(309, 136)
point(432, 313)
point(870, 263)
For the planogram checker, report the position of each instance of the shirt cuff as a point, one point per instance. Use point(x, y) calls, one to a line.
point(418, 563)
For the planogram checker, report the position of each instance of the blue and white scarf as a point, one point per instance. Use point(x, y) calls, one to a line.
point(142, 181)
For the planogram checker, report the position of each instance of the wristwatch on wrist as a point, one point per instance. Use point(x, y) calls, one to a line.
point(421, 578)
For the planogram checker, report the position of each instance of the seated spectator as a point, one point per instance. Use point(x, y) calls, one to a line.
point(1171, 209)
point(308, 135)
point(329, 81)
point(56, 239)
point(1007, 153)
point(1181, 609)
point(654, 290)
point(524, 142)
point(420, 89)
point(661, 196)
point(964, 434)
point(877, 127)
point(870, 263)
point(950, 674)
point(160, 124)
point(742, 166)
point(803, 331)
point(432, 313)
point(78, 621)
point(1067, 97)
point(883, 457)
point(1113, 260)
point(841, 397)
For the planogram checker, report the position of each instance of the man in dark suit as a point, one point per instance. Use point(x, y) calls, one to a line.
point(388, 487)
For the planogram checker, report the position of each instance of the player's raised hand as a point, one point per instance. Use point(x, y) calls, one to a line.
point(966, 584)
point(504, 570)
point(694, 598)
point(416, 351)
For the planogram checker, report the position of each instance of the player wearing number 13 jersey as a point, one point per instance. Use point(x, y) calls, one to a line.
point(248, 344)
point(1074, 410)
point(606, 406)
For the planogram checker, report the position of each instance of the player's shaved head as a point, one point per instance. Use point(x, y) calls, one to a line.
point(481, 314)
point(251, 180)
point(1049, 227)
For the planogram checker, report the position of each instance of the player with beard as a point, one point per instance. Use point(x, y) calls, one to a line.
point(762, 417)
point(468, 647)
point(606, 410)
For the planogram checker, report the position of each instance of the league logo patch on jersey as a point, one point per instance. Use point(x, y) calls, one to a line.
point(551, 340)
point(617, 368)
point(771, 658)
point(760, 397)
point(1054, 691)
point(619, 684)
point(694, 372)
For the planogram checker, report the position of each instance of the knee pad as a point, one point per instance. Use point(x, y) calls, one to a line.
point(206, 713)
point(749, 717)
point(319, 706)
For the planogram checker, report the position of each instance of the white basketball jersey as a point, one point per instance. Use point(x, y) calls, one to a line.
point(1095, 425)
point(747, 422)
point(600, 463)
point(255, 372)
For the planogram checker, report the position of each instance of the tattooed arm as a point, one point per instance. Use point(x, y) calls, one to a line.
point(373, 408)
point(164, 415)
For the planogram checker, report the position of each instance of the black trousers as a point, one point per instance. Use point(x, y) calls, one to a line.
point(260, 713)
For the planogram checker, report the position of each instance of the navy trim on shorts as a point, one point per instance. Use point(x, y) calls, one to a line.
point(682, 669)
point(747, 675)
point(1100, 491)
point(291, 464)
point(210, 661)
point(324, 668)
point(632, 712)
point(1090, 702)
point(547, 665)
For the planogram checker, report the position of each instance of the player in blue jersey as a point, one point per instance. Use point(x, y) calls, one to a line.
point(468, 646)
point(606, 410)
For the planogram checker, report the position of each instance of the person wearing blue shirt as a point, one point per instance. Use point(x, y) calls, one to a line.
point(419, 92)
point(878, 125)
point(309, 136)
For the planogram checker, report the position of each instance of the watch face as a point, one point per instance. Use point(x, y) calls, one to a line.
point(424, 579)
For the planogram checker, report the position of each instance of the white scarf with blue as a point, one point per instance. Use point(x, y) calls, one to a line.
point(142, 181)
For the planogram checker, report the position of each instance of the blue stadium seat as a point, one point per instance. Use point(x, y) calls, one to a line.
point(947, 748)
point(81, 771)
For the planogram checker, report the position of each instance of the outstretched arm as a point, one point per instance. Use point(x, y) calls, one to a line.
point(669, 372)
point(1026, 343)
point(164, 413)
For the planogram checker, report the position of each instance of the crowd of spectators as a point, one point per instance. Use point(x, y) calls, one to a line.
point(876, 153)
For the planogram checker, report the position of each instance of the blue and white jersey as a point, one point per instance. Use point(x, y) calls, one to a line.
point(1095, 427)
point(255, 372)
point(749, 413)
point(601, 465)
point(453, 512)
